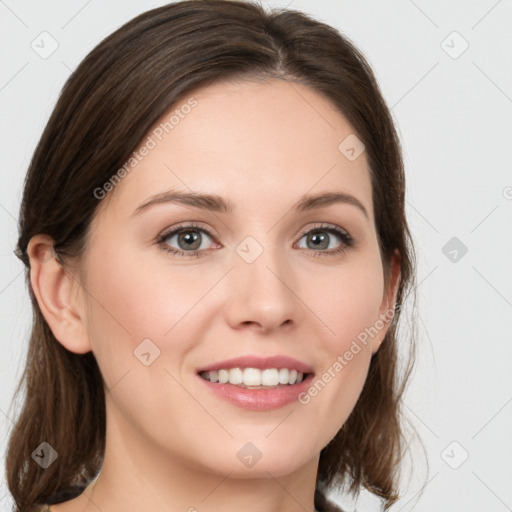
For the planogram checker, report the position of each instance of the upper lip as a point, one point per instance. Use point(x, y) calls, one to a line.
point(253, 361)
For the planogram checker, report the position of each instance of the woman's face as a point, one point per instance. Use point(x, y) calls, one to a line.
point(262, 279)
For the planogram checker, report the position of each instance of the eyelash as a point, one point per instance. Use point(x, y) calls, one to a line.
point(347, 241)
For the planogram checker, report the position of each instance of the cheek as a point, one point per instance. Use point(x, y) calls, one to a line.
point(128, 304)
point(132, 299)
point(349, 305)
point(348, 300)
point(137, 300)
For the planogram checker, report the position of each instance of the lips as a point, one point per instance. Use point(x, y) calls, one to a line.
point(259, 399)
point(262, 363)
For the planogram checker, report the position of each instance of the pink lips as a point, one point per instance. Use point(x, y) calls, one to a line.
point(259, 399)
point(261, 363)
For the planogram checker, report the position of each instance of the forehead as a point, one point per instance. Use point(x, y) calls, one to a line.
point(252, 141)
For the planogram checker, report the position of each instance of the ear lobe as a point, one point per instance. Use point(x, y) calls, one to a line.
point(57, 293)
point(387, 307)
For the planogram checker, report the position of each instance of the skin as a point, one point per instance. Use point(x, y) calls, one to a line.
point(172, 444)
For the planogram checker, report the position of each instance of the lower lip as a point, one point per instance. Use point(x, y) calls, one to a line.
point(259, 399)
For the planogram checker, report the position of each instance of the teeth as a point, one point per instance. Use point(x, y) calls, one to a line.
point(236, 376)
point(254, 377)
point(223, 376)
point(283, 376)
point(270, 377)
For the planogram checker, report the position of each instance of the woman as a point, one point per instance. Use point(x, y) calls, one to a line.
point(214, 232)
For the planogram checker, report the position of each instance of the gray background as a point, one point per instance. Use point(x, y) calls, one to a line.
point(453, 110)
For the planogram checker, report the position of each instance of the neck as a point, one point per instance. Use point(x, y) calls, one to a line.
point(139, 475)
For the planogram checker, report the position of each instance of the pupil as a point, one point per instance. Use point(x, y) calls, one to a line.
point(319, 240)
point(190, 238)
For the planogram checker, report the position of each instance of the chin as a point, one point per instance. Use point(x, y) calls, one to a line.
point(258, 458)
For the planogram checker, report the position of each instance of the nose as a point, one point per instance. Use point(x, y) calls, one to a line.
point(260, 295)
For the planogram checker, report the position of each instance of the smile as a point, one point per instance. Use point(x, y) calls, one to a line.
point(255, 378)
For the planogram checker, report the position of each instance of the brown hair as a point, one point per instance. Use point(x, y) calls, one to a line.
point(106, 108)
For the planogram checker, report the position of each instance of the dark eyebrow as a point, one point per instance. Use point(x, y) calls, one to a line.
point(310, 202)
point(210, 202)
point(218, 204)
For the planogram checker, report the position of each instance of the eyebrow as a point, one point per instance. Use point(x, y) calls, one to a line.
point(216, 203)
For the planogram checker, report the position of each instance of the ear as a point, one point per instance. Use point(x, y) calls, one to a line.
point(59, 295)
point(387, 307)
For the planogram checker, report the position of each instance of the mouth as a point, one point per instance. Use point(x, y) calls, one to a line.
point(257, 383)
point(256, 372)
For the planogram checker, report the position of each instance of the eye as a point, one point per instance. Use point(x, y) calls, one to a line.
point(321, 239)
point(189, 239)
